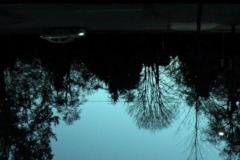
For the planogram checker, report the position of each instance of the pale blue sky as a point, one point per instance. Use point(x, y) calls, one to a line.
point(106, 132)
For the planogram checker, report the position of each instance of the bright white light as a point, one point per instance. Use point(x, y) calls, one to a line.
point(221, 133)
point(81, 34)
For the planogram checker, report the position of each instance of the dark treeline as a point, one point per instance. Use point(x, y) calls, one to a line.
point(208, 75)
point(37, 77)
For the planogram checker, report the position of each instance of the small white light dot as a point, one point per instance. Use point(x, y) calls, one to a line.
point(81, 34)
point(221, 133)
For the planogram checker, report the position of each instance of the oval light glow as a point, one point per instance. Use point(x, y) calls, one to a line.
point(81, 34)
point(221, 133)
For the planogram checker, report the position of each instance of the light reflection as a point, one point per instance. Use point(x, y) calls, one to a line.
point(221, 133)
point(81, 34)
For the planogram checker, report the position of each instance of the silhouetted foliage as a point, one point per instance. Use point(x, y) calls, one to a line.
point(223, 112)
point(29, 99)
point(155, 104)
point(115, 61)
point(214, 87)
point(39, 89)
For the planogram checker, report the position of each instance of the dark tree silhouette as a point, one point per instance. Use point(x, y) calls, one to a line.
point(195, 71)
point(196, 137)
point(29, 98)
point(114, 60)
point(223, 112)
point(155, 104)
point(215, 90)
point(32, 89)
point(75, 87)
